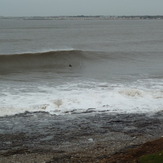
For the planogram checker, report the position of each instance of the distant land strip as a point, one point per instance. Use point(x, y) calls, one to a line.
point(82, 17)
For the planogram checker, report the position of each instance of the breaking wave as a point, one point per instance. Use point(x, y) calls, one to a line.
point(84, 97)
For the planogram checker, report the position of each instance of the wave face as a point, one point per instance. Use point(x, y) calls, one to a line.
point(86, 64)
point(94, 64)
point(29, 61)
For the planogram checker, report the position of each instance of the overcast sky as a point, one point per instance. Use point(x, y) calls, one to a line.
point(80, 7)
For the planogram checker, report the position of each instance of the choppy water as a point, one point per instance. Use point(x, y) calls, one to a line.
point(67, 66)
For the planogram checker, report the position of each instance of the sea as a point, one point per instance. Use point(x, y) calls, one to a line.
point(74, 66)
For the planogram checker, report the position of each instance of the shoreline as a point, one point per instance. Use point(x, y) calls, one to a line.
point(41, 137)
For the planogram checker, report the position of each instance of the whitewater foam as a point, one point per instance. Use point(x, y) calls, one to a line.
point(80, 97)
point(48, 50)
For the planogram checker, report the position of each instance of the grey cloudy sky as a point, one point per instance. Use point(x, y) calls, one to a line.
point(80, 7)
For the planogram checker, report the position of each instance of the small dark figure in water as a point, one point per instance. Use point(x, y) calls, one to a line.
point(70, 65)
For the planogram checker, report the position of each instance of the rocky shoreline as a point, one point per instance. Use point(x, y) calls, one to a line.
point(88, 137)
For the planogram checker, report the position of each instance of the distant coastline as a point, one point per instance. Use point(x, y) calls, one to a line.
point(82, 17)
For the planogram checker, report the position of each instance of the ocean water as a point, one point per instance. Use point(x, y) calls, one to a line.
point(76, 66)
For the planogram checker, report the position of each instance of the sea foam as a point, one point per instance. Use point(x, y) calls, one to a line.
point(83, 96)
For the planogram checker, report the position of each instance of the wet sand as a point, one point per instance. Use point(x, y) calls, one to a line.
point(87, 137)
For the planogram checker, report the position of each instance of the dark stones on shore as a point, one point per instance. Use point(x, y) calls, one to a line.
point(42, 132)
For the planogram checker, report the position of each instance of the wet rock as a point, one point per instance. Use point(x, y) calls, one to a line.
point(41, 132)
